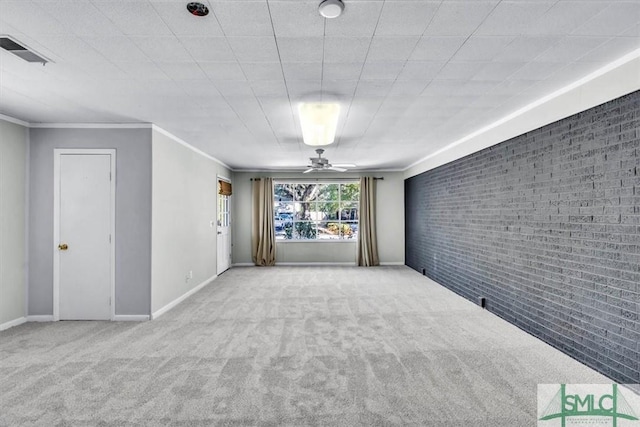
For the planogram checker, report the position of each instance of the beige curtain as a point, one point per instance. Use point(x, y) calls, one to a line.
point(263, 233)
point(367, 235)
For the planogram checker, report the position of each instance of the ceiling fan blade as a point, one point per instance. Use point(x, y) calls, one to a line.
point(337, 169)
point(309, 170)
point(344, 165)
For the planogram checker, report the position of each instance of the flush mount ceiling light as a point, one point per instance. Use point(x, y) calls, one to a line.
point(197, 9)
point(331, 8)
point(319, 122)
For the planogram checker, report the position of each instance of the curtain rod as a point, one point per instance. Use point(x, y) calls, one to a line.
point(318, 179)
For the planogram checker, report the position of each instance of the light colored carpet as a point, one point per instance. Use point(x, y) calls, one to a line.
point(295, 346)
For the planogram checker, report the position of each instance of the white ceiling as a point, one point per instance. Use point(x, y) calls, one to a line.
point(411, 76)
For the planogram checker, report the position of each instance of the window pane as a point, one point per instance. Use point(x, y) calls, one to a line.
point(327, 211)
point(328, 192)
point(349, 230)
point(350, 192)
point(328, 230)
point(284, 229)
point(305, 230)
point(306, 192)
point(349, 211)
point(283, 192)
point(302, 211)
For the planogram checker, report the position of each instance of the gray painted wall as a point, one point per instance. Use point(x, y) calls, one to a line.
point(13, 169)
point(546, 226)
point(390, 223)
point(184, 204)
point(133, 213)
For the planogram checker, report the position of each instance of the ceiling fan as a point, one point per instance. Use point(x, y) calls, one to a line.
point(322, 164)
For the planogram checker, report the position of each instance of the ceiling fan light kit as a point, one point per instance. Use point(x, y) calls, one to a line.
point(319, 121)
point(331, 8)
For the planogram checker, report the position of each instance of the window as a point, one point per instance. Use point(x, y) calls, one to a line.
point(318, 211)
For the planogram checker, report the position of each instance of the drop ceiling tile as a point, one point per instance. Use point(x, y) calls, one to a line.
point(345, 49)
point(459, 18)
point(342, 71)
point(570, 49)
point(183, 70)
point(244, 18)
point(68, 48)
point(420, 70)
point(83, 21)
point(358, 20)
point(254, 49)
point(305, 90)
point(509, 88)
point(142, 70)
point(208, 48)
point(391, 48)
point(437, 48)
point(497, 71)
point(162, 49)
point(612, 49)
point(182, 23)
point(230, 88)
point(223, 70)
point(612, 21)
point(262, 70)
point(134, 17)
point(406, 18)
point(300, 49)
point(271, 88)
point(302, 70)
point(382, 70)
point(117, 48)
point(454, 70)
point(510, 17)
point(523, 49)
point(482, 48)
point(373, 88)
point(565, 17)
point(341, 89)
point(537, 71)
point(27, 17)
point(407, 88)
point(296, 19)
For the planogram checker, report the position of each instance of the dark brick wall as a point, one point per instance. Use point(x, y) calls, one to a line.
point(546, 226)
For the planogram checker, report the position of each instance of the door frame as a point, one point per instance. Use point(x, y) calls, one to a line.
point(57, 154)
point(223, 178)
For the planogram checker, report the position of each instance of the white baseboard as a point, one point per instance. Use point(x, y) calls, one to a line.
point(243, 264)
point(178, 300)
point(40, 318)
point(130, 317)
point(392, 263)
point(315, 263)
point(12, 323)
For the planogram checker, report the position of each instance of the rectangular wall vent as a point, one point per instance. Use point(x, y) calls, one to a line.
point(10, 45)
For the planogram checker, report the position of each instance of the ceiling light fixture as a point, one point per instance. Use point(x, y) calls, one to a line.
point(331, 8)
point(197, 9)
point(319, 122)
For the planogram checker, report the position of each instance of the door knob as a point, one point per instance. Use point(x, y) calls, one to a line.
point(63, 246)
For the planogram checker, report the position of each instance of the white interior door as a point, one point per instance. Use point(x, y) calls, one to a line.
point(84, 244)
point(224, 234)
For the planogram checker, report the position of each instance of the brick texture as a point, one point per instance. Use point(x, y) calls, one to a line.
point(546, 226)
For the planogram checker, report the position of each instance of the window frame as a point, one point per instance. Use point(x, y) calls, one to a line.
point(277, 181)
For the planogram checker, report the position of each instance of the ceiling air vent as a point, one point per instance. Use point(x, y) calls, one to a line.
point(10, 45)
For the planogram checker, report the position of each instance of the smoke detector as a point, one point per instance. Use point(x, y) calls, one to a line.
point(197, 9)
point(331, 8)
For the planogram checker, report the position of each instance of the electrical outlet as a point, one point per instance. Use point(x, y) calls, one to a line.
point(190, 276)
